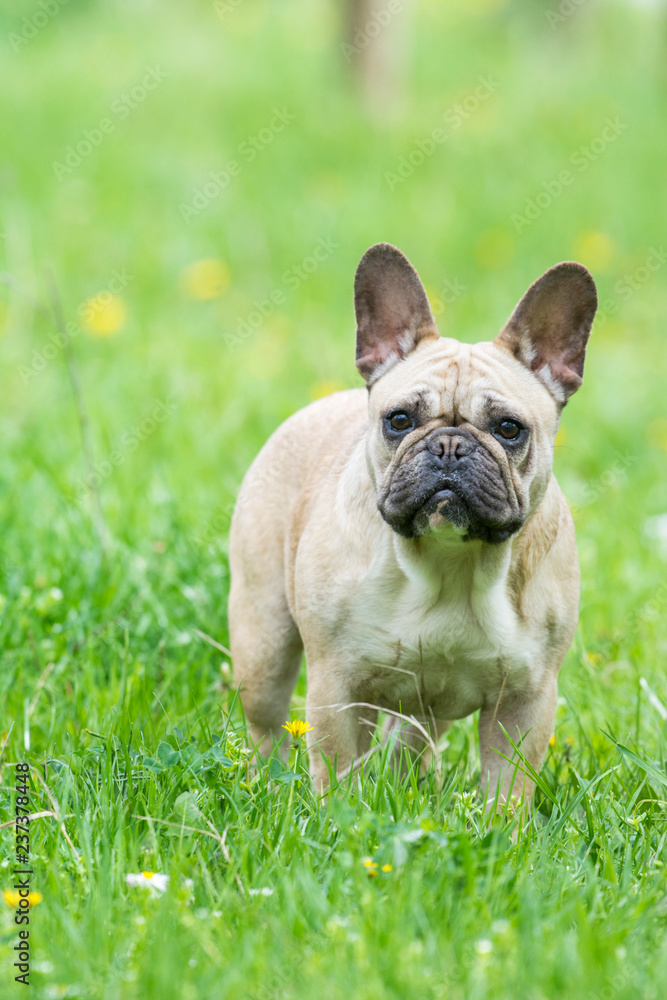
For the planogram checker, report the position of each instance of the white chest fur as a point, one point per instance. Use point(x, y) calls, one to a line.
point(433, 630)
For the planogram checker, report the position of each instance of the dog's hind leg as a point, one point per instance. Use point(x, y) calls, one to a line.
point(266, 653)
point(265, 642)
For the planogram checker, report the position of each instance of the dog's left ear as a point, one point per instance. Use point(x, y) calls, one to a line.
point(392, 310)
point(549, 329)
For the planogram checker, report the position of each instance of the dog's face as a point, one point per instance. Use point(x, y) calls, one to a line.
point(461, 436)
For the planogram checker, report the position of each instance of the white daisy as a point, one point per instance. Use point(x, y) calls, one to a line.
point(150, 880)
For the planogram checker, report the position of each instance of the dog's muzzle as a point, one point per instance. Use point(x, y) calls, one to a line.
point(451, 473)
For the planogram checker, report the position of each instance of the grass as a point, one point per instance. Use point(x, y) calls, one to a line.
point(136, 737)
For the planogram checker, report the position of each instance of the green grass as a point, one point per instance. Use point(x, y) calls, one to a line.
point(99, 650)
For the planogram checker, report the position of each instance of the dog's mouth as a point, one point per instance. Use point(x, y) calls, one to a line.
point(442, 495)
point(451, 506)
point(438, 502)
point(448, 503)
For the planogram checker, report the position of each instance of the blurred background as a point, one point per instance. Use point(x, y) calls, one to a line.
point(185, 192)
point(196, 184)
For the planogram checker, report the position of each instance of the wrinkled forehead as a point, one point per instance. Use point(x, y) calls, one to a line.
point(449, 378)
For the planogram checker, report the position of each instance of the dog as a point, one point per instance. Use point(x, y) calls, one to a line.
point(411, 538)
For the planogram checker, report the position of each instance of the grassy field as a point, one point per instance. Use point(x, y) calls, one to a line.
point(171, 170)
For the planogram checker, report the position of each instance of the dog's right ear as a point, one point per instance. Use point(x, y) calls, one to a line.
point(392, 310)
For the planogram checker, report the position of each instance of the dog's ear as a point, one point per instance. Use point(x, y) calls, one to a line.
point(549, 329)
point(392, 310)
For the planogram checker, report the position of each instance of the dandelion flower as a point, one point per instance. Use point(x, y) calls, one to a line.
point(205, 279)
point(596, 250)
point(437, 305)
point(297, 728)
point(149, 880)
point(325, 387)
point(495, 250)
point(386, 868)
point(371, 867)
point(103, 315)
point(656, 432)
point(552, 741)
point(12, 898)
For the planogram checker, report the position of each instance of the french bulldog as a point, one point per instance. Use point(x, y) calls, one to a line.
point(411, 538)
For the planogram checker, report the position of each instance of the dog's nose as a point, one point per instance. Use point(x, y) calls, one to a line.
point(450, 446)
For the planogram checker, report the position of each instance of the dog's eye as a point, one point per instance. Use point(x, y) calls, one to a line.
point(399, 421)
point(509, 429)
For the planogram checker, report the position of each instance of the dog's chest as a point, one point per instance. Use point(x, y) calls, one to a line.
point(426, 647)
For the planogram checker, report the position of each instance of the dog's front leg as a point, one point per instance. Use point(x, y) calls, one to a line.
point(529, 722)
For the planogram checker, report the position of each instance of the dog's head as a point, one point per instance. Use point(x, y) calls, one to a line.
point(461, 436)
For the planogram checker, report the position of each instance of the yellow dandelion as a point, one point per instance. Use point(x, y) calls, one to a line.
point(386, 868)
point(324, 388)
point(297, 728)
point(103, 315)
point(656, 433)
point(370, 866)
point(552, 741)
point(495, 249)
point(595, 250)
point(12, 898)
point(437, 305)
point(205, 279)
point(561, 437)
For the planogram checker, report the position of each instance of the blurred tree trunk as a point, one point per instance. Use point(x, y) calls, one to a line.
point(374, 49)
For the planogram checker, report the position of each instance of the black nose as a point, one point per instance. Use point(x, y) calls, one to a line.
point(451, 445)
